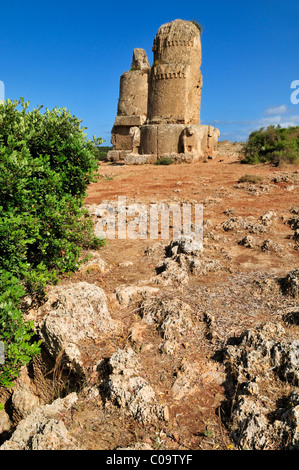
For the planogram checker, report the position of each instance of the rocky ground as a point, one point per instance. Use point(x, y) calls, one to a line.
point(151, 346)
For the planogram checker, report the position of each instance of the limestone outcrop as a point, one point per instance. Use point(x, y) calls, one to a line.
point(256, 420)
point(70, 316)
point(44, 429)
point(128, 390)
point(159, 106)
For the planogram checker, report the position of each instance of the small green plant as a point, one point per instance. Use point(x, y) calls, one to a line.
point(164, 161)
point(208, 433)
point(157, 62)
point(157, 443)
point(15, 333)
point(197, 25)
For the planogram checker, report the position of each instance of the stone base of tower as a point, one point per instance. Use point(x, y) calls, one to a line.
point(179, 142)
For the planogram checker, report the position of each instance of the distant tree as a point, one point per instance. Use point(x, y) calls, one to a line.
point(272, 144)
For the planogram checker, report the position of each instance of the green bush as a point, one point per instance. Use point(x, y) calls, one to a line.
point(100, 152)
point(164, 161)
point(273, 144)
point(15, 333)
point(46, 163)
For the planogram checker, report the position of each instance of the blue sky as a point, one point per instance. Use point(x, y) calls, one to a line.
point(71, 54)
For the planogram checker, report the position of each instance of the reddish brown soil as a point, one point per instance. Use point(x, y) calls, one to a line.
point(231, 296)
point(235, 297)
point(213, 184)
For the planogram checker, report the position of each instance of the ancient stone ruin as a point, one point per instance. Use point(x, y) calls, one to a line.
point(158, 112)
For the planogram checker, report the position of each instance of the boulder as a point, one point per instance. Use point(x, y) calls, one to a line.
point(71, 315)
point(127, 389)
point(259, 419)
point(44, 429)
point(290, 283)
point(125, 295)
point(173, 319)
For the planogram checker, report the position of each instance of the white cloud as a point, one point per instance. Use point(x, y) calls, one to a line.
point(239, 129)
point(289, 123)
point(270, 121)
point(276, 110)
point(283, 121)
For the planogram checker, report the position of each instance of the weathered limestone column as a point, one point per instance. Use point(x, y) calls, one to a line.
point(175, 79)
point(132, 105)
point(133, 87)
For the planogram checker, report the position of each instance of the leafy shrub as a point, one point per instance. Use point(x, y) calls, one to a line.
point(46, 163)
point(164, 161)
point(15, 333)
point(273, 144)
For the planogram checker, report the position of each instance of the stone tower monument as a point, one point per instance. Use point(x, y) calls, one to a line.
point(175, 79)
point(166, 98)
point(132, 104)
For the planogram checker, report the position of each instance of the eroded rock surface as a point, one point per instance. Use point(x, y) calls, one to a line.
point(71, 315)
point(43, 429)
point(127, 389)
point(262, 357)
point(173, 319)
point(290, 283)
